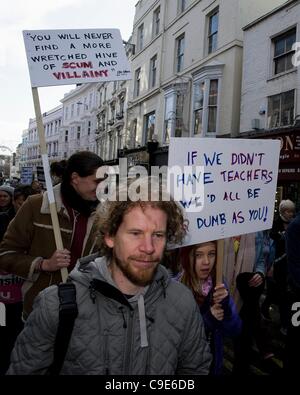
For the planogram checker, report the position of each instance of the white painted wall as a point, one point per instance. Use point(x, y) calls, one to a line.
point(258, 80)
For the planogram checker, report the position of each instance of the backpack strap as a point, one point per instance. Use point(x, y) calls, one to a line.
point(68, 312)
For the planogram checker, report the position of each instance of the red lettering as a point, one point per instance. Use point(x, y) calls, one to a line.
point(85, 74)
point(77, 65)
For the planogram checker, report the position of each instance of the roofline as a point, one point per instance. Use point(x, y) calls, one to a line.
point(265, 16)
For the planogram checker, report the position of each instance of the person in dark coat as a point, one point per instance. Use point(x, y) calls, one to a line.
point(11, 285)
point(280, 270)
point(291, 361)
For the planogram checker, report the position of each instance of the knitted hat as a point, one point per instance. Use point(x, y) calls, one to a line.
point(9, 190)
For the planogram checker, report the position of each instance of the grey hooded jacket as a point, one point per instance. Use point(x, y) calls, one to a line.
point(159, 331)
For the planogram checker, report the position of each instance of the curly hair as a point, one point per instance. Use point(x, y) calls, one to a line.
point(111, 213)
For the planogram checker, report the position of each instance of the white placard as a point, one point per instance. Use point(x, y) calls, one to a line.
point(62, 57)
point(238, 177)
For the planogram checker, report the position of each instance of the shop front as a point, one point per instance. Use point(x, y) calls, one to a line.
point(288, 184)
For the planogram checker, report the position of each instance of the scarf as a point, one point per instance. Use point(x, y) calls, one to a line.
point(79, 211)
point(206, 286)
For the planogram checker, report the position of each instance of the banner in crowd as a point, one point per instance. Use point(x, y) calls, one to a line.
point(62, 57)
point(227, 187)
point(26, 175)
point(41, 176)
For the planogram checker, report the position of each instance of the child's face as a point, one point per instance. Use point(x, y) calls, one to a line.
point(205, 257)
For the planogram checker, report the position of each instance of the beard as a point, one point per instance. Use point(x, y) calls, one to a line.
point(138, 276)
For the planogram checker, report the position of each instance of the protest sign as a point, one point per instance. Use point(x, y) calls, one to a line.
point(229, 185)
point(62, 57)
point(41, 176)
point(26, 175)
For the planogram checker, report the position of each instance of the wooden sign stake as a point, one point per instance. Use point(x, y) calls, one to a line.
point(220, 256)
point(45, 159)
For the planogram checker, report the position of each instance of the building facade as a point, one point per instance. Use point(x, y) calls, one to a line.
point(111, 113)
point(270, 106)
point(31, 153)
point(78, 125)
point(187, 68)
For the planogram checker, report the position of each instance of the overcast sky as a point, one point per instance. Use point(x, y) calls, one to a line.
point(16, 105)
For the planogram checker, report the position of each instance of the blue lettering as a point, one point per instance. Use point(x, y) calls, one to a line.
point(196, 201)
point(260, 214)
point(238, 218)
point(207, 179)
point(253, 193)
point(215, 159)
point(211, 221)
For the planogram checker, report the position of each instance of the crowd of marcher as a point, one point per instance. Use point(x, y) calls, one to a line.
point(129, 306)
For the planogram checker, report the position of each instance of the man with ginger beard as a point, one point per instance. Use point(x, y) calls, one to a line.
point(132, 318)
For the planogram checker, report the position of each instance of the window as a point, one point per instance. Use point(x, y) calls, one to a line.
point(111, 148)
point(118, 141)
point(179, 53)
point(66, 136)
point(156, 22)
point(121, 105)
point(213, 31)
point(78, 132)
point(205, 106)
point(89, 127)
point(212, 106)
point(169, 117)
point(283, 52)
point(131, 134)
point(281, 109)
point(137, 82)
point(140, 37)
point(179, 114)
point(149, 127)
point(102, 121)
point(153, 65)
point(112, 113)
point(181, 6)
point(198, 107)
point(173, 118)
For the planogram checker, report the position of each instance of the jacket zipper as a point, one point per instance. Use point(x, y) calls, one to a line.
point(128, 344)
point(75, 215)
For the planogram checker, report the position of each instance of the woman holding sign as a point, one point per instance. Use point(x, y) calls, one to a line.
point(28, 249)
point(216, 306)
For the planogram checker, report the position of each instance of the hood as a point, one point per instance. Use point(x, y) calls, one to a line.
point(45, 209)
point(92, 272)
